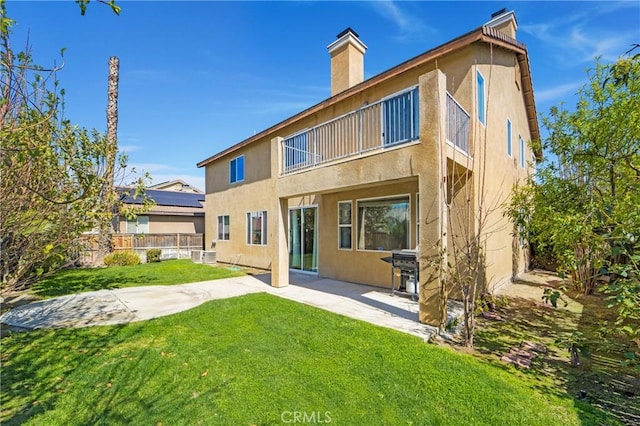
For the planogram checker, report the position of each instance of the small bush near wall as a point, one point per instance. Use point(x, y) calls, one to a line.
point(153, 255)
point(122, 258)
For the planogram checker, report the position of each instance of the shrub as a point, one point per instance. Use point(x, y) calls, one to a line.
point(122, 258)
point(153, 255)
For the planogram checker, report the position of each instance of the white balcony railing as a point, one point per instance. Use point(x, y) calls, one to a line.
point(457, 124)
point(385, 123)
point(388, 122)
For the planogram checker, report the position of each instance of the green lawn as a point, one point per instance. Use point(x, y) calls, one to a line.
point(167, 272)
point(259, 360)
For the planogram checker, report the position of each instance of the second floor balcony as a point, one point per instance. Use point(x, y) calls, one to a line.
point(387, 123)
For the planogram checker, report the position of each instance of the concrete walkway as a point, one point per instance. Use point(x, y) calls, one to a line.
point(108, 307)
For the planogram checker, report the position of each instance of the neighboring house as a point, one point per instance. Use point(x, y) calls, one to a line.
point(176, 185)
point(174, 212)
point(338, 186)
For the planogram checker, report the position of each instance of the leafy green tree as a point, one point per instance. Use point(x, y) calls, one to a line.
point(53, 173)
point(583, 206)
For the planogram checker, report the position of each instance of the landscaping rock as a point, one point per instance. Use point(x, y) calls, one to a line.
point(491, 315)
point(522, 353)
point(516, 360)
point(533, 346)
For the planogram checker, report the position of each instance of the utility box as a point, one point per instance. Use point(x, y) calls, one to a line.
point(208, 257)
point(196, 256)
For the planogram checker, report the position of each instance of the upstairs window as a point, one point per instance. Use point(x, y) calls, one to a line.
point(480, 98)
point(296, 152)
point(236, 169)
point(401, 117)
point(522, 160)
point(509, 148)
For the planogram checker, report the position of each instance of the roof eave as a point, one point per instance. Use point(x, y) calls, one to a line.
point(484, 34)
point(429, 55)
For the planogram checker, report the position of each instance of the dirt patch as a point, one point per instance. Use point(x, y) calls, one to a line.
point(600, 377)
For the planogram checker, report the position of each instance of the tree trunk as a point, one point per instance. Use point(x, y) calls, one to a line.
point(105, 245)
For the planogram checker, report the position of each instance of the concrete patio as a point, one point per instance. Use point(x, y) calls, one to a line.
point(107, 307)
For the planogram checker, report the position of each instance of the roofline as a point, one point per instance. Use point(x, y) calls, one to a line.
point(483, 34)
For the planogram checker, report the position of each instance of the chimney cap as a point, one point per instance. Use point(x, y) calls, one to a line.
point(499, 12)
point(347, 31)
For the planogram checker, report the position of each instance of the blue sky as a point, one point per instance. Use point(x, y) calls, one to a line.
point(198, 77)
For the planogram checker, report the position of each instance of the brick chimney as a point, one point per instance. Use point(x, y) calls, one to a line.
point(347, 61)
point(504, 21)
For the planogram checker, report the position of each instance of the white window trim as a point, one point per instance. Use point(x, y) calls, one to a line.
point(350, 225)
point(243, 169)
point(523, 148)
point(484, 96)
point(137, 220)
point(249, 228)
point(509, 138)
point(408, 195)
point(218, 227)
point(417, 219)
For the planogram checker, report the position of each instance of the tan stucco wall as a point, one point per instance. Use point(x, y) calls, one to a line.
point(347, 68)
point(170, 224)
point(236, 202)
point(257, 160)
point(409, 168)
point(359, 266)
point(505, 101)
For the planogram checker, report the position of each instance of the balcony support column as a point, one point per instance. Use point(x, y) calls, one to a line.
point(279, 221)
point(431, 184)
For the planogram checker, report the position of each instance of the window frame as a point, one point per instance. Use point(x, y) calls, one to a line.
point(234, 168)
point(221, 234)
point(509, 138)
point(393, 119)
point(262, 214)
point(138, 225)
point(345, 225)
point(406, 197)
point(522, 150)
point(481, 103)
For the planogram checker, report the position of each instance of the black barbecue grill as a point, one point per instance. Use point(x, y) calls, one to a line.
point(406, 262)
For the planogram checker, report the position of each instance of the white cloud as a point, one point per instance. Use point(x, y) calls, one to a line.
point(125, 149)
point(556, 92)
point(580, 37)
point(410, 26)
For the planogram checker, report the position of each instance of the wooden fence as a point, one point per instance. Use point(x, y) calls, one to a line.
point(172, 245)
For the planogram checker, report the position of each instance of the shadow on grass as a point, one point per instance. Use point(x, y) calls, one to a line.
point(49, 375)
point(77, 281)
point(523, 319)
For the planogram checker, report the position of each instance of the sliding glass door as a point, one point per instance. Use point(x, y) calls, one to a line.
point(303, 239)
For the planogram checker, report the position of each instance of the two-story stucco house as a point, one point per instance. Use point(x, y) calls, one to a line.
point(340, 185)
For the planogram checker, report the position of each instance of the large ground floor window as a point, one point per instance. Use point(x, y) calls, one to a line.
point(383, 224)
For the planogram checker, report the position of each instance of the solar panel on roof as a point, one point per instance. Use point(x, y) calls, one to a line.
point(168, 198)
